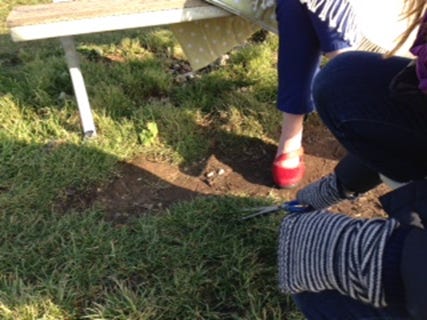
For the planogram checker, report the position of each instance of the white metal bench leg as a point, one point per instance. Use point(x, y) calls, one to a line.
point(80, 92)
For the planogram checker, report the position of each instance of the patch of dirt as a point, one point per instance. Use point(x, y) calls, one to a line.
point(143, 187)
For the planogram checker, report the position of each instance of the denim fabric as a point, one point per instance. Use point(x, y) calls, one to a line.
point(331, 305)
point(389, 135)
point(302, 39)
point(353, 98)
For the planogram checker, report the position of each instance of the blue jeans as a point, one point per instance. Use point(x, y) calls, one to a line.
point(352, 97)
point(389, 135)
point(331, 305)
point(303, 37)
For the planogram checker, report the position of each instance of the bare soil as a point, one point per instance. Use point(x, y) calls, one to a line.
point(143, 187)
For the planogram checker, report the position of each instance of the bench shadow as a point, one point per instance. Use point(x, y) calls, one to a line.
point(128, 190)
point(141, 192)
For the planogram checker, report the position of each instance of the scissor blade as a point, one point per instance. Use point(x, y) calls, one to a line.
point(289, 206)
point(261, 211)
point(257, 209)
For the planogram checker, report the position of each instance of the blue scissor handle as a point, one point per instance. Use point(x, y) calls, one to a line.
point(296, 207)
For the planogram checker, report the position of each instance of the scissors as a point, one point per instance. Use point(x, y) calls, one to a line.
point(290, 206)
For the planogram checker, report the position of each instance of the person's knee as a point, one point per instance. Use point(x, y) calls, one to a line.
point(332, 82)
point(331, 75)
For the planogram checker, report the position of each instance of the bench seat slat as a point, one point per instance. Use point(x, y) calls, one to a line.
point(72, 18)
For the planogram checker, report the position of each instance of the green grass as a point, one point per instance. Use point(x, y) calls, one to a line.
point(192, 261)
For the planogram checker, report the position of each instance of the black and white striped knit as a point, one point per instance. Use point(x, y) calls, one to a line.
point(322, 193)
point(329, 251)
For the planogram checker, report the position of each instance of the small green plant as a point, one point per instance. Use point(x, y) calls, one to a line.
point(149, 135)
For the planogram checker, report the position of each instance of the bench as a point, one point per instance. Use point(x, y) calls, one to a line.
point(66, 19)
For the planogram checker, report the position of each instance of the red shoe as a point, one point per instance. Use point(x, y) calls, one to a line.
point(288, 178)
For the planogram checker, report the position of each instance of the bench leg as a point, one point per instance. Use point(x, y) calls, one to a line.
point(73, 63)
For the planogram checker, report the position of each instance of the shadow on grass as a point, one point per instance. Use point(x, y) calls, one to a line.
point(68, 255)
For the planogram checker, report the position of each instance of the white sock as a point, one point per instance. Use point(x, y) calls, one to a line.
point(290, 145)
